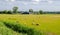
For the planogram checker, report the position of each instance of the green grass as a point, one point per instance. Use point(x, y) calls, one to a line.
point(13, 28)
point(21, 28)
point(6, 31)
point(48, 24)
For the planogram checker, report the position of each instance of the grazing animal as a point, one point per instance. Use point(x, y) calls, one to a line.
point(33, 23)
point(37, 24)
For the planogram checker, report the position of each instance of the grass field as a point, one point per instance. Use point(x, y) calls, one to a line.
point(46, 23)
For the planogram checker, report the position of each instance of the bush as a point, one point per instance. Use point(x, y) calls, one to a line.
point(9, 12)
point(16, 27)
point(6, 31)
point(21, 29)
point(4, 12)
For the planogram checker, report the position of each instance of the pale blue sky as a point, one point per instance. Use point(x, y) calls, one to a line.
point(46, 5)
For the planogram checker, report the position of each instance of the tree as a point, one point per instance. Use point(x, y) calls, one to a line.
point(31, 10)
point(15, 9)
point(40, 11)
point(9, 12)
point(5, 12)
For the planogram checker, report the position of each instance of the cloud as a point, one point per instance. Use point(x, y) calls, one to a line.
point(36, 0)
point(26, 2)
point(55, 0)
point(34, 3)
point(10, 0)
point(50, 1)
point(6, 0)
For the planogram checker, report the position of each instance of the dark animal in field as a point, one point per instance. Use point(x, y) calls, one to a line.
point(33, 23)
point(25, 13)
point(37, 24)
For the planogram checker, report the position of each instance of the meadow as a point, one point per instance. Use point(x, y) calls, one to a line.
point(47, 24)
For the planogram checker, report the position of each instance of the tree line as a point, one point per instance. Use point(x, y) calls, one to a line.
point(15, 11)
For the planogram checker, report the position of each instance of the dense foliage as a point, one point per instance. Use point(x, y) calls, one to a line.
point(31, 11)
point(14, 28)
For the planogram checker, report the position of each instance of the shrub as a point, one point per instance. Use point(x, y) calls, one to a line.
point(21, 29)
point(9, 12)
point(6, 31)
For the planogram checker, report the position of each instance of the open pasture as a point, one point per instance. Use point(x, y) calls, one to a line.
point(49, 23)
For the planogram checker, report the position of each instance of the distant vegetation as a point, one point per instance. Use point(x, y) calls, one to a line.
point(31, 11)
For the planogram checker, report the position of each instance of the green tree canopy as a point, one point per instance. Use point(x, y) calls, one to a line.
point(5, 11)
point(31, 10)
point(40, 11)
point(15, 9)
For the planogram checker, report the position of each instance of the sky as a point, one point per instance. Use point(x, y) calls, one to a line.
point(25, 5)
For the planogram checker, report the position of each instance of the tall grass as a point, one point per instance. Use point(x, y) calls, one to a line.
point(6, 31)
point(22, 29)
